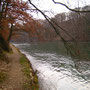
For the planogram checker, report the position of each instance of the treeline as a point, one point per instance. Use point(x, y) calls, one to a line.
point(76, 24)
point(73, 25)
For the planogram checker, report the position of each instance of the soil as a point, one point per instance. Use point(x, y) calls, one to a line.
point(16, 77)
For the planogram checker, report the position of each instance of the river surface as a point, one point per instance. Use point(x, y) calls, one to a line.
point(55, 70)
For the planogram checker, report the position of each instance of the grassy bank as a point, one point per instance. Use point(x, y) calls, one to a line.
point(31, 81)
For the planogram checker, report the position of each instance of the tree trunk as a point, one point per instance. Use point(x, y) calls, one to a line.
point(4, 44)
point(10, 34)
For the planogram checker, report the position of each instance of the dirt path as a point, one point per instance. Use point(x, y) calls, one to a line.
point(16, 77)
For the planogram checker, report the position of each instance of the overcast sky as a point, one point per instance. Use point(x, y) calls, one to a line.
point(48, 5)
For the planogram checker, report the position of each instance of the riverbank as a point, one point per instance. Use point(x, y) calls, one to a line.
point(17, 74)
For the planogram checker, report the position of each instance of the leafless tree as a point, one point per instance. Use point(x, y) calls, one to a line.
point(72, 49)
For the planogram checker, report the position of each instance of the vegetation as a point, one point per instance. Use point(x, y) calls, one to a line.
point(72, 28)
point(3, 76)
point(12, 12)
point(31, 78)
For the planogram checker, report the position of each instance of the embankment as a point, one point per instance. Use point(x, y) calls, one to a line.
point(17, 74)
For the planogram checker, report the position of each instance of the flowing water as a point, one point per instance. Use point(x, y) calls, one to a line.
point(55, 70)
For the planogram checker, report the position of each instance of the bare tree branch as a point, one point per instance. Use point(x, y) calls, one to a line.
point(37, 10)
point(70, 48)
point(78, 11)
point(52, 22)
point(45, 16)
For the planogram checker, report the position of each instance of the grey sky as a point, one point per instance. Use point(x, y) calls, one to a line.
point(48, 5)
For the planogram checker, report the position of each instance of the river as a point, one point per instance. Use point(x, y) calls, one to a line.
point(55, 70)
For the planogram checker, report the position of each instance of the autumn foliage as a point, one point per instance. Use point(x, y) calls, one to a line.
point(14, 13)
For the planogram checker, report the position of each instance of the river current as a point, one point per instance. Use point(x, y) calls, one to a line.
point(55, 71)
